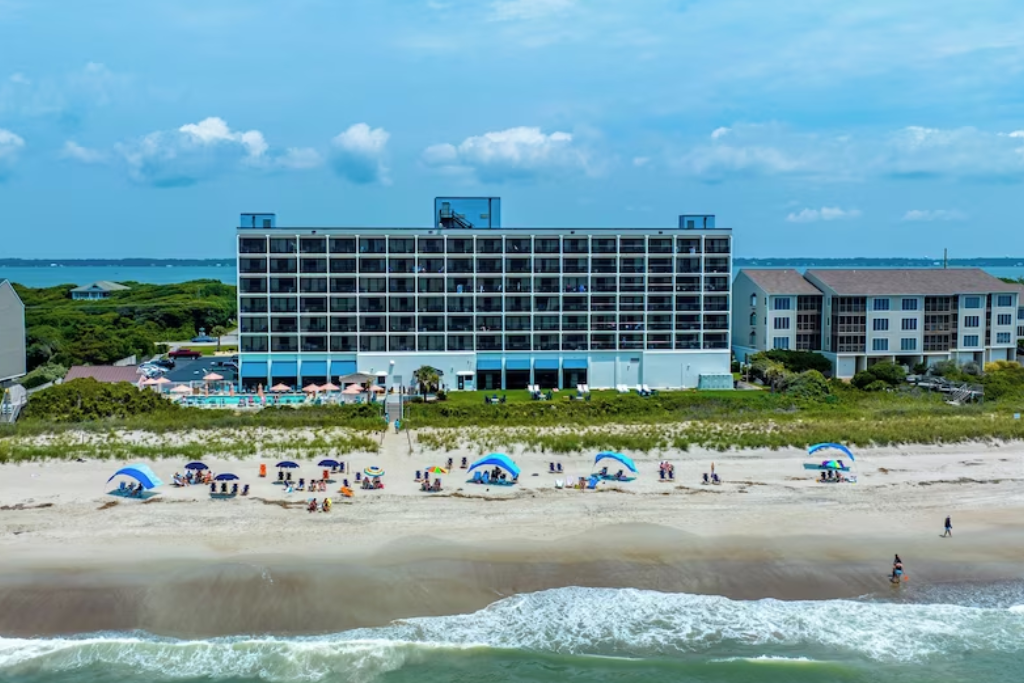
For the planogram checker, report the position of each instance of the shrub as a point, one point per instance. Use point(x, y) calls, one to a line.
point(800, 361)
point(42, 375)
point(809, 384)
point(862, 379)
point(971, 369)
point(441, 395)
point(888, 372)
point(877, 385)
point(920, 368)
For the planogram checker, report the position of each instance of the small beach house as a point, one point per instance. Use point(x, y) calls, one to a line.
point(100, 289)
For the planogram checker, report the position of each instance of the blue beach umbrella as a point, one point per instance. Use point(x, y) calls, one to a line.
point(226, 477)
point(327, 463)
point(617, 457)
point(198, 466)
point(287, 464)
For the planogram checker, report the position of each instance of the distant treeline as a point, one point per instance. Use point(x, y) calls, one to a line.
point(62, 332)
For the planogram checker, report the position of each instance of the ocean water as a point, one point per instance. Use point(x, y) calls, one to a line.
point(82, 275)
point(586, 635)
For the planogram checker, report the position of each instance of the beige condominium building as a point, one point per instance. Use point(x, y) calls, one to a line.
point(859, 317)
point(12, 334)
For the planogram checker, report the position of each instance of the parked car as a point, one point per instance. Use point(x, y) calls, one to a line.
point(166, 363)
point(203, 340)
point(184, 353)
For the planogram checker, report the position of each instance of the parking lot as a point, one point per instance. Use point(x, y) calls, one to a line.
point(194, 370)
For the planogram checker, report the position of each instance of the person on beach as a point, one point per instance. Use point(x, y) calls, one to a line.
point(949, 527)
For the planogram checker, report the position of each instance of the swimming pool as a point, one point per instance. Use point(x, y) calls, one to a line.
point(243, 399)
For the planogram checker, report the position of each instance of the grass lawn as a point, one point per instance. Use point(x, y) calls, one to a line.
point(212, 350)
point(464, 398)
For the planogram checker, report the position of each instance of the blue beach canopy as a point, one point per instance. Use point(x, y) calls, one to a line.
point(226, 477)
point(141, 474)
point(618, 457)
point(497, 460)
point(839, 447)
point(196, 466)
point(327, 463)
point(287, 464)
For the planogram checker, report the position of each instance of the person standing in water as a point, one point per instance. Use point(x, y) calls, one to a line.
point(949, 528)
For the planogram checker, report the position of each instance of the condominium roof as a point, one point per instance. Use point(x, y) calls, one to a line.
point(102, 285)
point(780, 281)
point(104, 373)
point(923, 281)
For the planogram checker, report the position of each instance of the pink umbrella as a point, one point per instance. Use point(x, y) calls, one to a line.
point(311, 388)
point(353, 389)
point(181, 389)
point(163, 380)
point(148, 382)
point(212, 377)
point(377, 388)
point(328, 387)
point(280, 388)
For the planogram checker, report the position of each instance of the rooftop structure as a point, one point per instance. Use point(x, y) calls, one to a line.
point(108, 374)
point(490, 306)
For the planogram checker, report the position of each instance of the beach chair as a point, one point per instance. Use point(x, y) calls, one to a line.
point(302, 484)
point(551, 468)
point(341, 467)
point(359, 476)
point(344, 483)
point(245, 490)
point(449, 464)
point(477, 478)
point(234, 489)
point(465, 464)
point(558, 468)
point(419, 475)
point(213, 489)
point(123, 488)
point(288, 476)
point(706, 480)
point(592, 484)
point(485, 478)
point(559, 484)
point(280, 475)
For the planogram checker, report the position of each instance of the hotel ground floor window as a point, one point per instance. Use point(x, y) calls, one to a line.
point(572, 378)
point(487, 380)
point(547, 379)
point(517, 379)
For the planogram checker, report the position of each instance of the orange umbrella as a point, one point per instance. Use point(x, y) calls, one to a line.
point(280, 388)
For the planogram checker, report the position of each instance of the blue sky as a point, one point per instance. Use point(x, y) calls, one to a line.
point(814, 128)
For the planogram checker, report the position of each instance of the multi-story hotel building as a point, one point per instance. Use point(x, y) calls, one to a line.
point(489, 307)
point(859, 317)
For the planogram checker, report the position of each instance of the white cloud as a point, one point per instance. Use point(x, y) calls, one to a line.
point(927, 216)
point(516, 153)
point(719, 132)
point(826, 213)
point(193, 152)
point(526, 10)
point(358, 154)
point(10, 146)
point(299, 158)
point(641, 161)
point(67, 97)
point(73, 150)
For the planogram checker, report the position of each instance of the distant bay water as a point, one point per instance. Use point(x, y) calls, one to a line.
point(35, 276)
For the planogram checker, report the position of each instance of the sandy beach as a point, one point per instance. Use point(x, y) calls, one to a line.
point(77, 559)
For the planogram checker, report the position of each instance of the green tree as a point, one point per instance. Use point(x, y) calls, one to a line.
point(427, 380)
point(218, 331)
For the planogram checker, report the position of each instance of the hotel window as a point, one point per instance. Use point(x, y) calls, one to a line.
point(881, 305)
point(880, 345)
point(781, 324)
point(1004, 319)
point(972, 302)
point(909, 344)
point(782, 303)
point(910, 304)
point(880, 325)
point(971, 340)
point(1004, 300)
point(780, 343)
point(753, 318)
point(753, 299)
point(972, 321)
point(1002, 337)
point(909, 324)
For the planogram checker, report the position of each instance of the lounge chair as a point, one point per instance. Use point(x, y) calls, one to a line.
point(485, 478)
point(234, 489)
point(715, 479)
point(359, 476)
point(477, 478)
point(213, 489)
point(465, 464)
point(245, 490)
point(551, 468)
point(592, 484)
point(280, 475)
point(344, 483)
point(302, 484)
point(341, 467)
point(123, 488)
point(289, 476)
point(558, 468)
point(419, 475)
point(559, 484)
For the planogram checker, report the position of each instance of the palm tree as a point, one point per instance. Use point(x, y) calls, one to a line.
point(427, 379)
point(218, 331)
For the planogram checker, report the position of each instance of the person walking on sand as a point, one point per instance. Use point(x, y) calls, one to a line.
point(949, 528)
